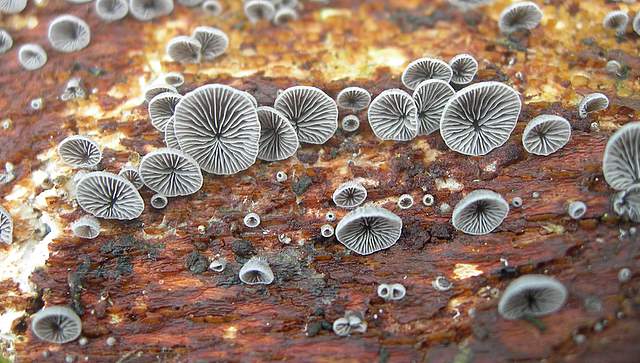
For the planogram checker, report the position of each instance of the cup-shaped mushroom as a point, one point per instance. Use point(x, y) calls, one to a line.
point(156, 88)
point(109, 196)
point(356, 321)
point(326, 230)
point(175, 79)
point(184, 49)
point(6, 227)
point(159, 201)
point(617, 21)
point(424, 69)
point(79, 152)
point(284, 15)
point(577, 209)
point(524, 15)
point(405, 201)
point(313, 114)
point(6, 41)
point(278, 138)
point(349, 194)
point(218, 126)
point(350, 123)
point(353, 98)
point(636, 23)
point(341, 327)
point(218, 265)
point(212, 7)
point(146, 10)
point(546, 134)
point(190, 3)
point(87, 227)
point(170, 172)
point(430, 98)
point(256, 271)
point(170, 138)
point(112, 10)
point(464, 68)
point(465, 5)
point(384, 291)
point(393, 115)
point(258, 10)
point(32, 57)
point(369, 229)
point(161, 109)
point(627, 203)
point(12, 6)
point(68, 33)
point(251, 220)
point(532, 295)
point(480, 212)
point(56, 324)
point(398, 292)
point(480, 118)
point(131, 174)
point(592, 102)
point(213, 41)
point(441, 283)
point(621, 162)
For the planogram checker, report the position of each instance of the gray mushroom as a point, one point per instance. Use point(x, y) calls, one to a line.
point(327, 230)
point(174, 79)
point(350, 123)
point(394, 116)
point(190, 3)
point(132, 175)
point(424, 69)
point(159, 201)
point(592, 102)
point(464, 68)
point(627, 203)
point(258, 10)
point(480, 118)
point(170, 138)
point(546, 134)
point(576, 209)
point(284, 15)
point(156, 88)
point(161, 109)
point(369, 229)
point(12, 6)
point(79, 152)
point(621, 162)
point(146, 10)
point(256, 271)
point(73, 90)
point(278, 139)
point(56, 324)
point(524, 15)
point(405, 201)
point(6, 226)
point(430, 98)
point(213, 41)
point(636, 23)
point(112, 10)
point(184, 49)
point(251, 220)
point(532, 295)
point(465, 5)
point(218, 265)
point(212, 7)
point(218, 126)
point(170, 172)
point(353, 98)
point(6, 42)
point(352, 322)
point(87, 227)
point(616, 20)
point(32, 57)
point(392, 292)
point(349, 195)
point(480, 212)
point(68, 33)
point(109, 196)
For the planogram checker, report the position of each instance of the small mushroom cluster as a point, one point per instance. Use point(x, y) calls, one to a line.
point(351, 322)
point(278, 12)
point(205, 43)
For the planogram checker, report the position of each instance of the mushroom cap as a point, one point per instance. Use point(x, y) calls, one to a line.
point(6, 41)
point(170, 172)
point(133, 175)
point(394, 116)
point(430, 98)
point(109, 196)
point(184, 49)
point(464, 68)
point(32, 57)
point(79, 152)
point(284, 14)
point(424, 69)
point(146, 10)
point(218, 126)
point(68, 33)
point(313, 114)
point(256, 271)
point(627, 203)
point(257, 10)
point(170, 138)
point(480, 118)
point(636, 23)
point(616, 20)
point(278, 138)
point(592, 102)
point(621, 162)
point(353, 98)
point(56, 324)
point(480, 212)
point(369, 229)
point(86, 227)
point(112, 10)
point(161, 109)
point(251, 220)
point(349, 194)
point(159, 201)
point(190, 3)
point(577, 209)
point(341, 327)
point(174, 79)
point(213, 41)
point(384, 291)
point(212, 7)
point(12, 6)
point(546, 134)
point(6, 226)
point(469, 4)
point(532, 295)
point(524, 15)
point(156, 88)
point(350, 123)
point(398, 292)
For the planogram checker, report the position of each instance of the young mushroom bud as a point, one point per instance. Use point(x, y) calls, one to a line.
point(256, 271)
point(252, 220)
point(159, 201)
point(326, 230)
point(577, 209)
point(86, 227)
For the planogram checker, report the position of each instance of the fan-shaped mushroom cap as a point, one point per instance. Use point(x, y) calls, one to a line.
point(621, 162)
point(524, 15)
point(56, 324)
point(218, 126)
point(184, 49)
point(213, 41)
point(109, 196)
point(394, 116)
point(174, 79)
point(546, 134)
point(616, 20)
point(627, 203)
point(636, 23)
point(6, 42)
point(132, 175)
point(159, 201)
point(68, 33)
point(146, 10)
point(257, 10)
point(79, 152)
point(576, 209)
point(592, 102)
point(313, 114)
point(86, 227)
point(170, 172)
point(341, 327)
point(212, 7)
point(480, 212)
point(161, 109)
point(278, 139)
point(112, 10)
point(353, 98)
point(369, 229)
point(480, 118)
point(6, 226)
point(256, 271)
point(532, 295)
point(32, 57)
point(284, 15)
point(430, 98)
point(424, 69)
point(12, 6)
point(156, 88)
point(464, 68)
point(350, 123)
point(349, 194)
point(170, 138)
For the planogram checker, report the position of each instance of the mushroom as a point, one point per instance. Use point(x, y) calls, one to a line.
point(73, 90)
point(616, 20)
point(278, 139)
point(532, 295)
point(112, 10)
point(79, 152)
point(313, 114)
point(170, 172)
point(441, 283)
point(327, 230)
point(251, 220)
point(330, 216)
point(349, 194)
point(56, 324)
point(146, 10)
point(351, 322)
point(516, 202)
point(464, 68)
point(132, 175)
point(174, 79)
point(424, 69)
point(592, 102)
point(258, 10)
point(384, 291)
point(159, 201)
point(190, 3)
point(12, 6)
point(6, 226)
point(480, 118)
point(256, 271)
point(161, 109)
point(428, 200)
point(218, 265)
point(398, 292)
point(394, 116)
point(465, 5)
point(218, 126)
point(253, 100)
point(405, 201)
point(284, 15)
point(32, 57)
point(281, 177)
point(68, 33)
point(546, 134)
point(170, 138)
point(524, 15)
point(353, 98)
point(212, 7)
point(576, 209)
point(184, 49)
point(213, 41)
point(621, 162)
point(156, 88)
point(636, 23)
point(6, 42)
point(369, 229)
point(627, 203)
point(480, 212)
point(109, 196)
point(430, 98)
point(87, 227)
point(350, 123)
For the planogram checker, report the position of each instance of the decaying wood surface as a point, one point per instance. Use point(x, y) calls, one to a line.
point(145, 282)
